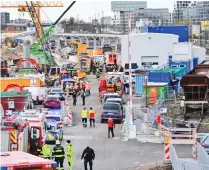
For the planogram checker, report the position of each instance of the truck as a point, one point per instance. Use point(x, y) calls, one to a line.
point(111, 61)
point(25, 132)
point(20, 160)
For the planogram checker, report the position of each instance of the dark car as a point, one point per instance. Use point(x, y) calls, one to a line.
point(116, 100)
point(112, 110)
point(52, 102)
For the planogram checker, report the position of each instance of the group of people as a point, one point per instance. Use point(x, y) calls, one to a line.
point(86, 90)
point(91, 114)
point(58, 154)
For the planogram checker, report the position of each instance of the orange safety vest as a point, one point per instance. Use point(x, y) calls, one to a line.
point(92, 114)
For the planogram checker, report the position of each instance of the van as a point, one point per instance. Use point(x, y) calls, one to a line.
point(38, 94)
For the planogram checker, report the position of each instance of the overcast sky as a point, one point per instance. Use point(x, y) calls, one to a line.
point(84, 10)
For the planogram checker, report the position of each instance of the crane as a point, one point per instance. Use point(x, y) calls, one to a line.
point(22, 6)
point(81, 48)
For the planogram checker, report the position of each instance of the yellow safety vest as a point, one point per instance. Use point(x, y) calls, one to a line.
point(84, 114)
point(70, 153)
point(46, 150)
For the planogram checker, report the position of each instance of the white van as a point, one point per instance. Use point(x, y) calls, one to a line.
point(38, 94)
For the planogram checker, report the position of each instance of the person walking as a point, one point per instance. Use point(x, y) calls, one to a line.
point(83, 96)
point(59, 155)
point(84, 115)
point(111, 126)
point(92, 115)
point(89, 156)
point(70, 154)
point(74, 98)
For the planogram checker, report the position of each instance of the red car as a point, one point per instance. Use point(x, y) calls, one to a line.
point(52, 102)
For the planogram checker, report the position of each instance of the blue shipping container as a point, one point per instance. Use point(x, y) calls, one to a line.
point(195, 61)
point(160, 77)
point(181, 31)
point(139, 83)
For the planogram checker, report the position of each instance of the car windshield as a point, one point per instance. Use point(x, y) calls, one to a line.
point(111, 96)
point(110, 106)
point(51, 127)
point(53, 119)
point(114, 101)
point(56, 91)
point(51, 98)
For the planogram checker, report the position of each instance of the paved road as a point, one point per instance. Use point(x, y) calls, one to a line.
point(111, 154)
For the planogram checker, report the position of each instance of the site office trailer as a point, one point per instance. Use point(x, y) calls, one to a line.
point(151, 48)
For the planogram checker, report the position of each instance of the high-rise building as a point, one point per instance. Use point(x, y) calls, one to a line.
point(5, 18)
point(121, 10)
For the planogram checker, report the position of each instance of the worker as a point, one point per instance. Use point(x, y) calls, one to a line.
point(83, 95)
point(111, 125)
point(89, 156)
point(84, 115)
point(59, 155)
point(87, 87)
point(70, 153)
point(74, 97)
point(75, 87)
point(46, 151)
point(92, 115)
point(67, 88)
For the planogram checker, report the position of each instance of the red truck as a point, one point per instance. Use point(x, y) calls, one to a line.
point(18, 160)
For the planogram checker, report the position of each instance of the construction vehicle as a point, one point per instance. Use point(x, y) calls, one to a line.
point(20, 160)
point(111, 61)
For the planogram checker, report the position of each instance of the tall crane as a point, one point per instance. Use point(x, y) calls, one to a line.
point(22, 6)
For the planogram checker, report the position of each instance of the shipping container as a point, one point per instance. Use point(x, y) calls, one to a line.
point(181, 30)
point(155, 91)
point(181, 64)
point(15, 101)
point(139, 81)
point(26, 82)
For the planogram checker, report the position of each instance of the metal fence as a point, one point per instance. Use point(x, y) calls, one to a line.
point(185, 164)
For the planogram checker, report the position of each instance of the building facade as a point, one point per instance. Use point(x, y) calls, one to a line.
point(5, 18)
point(107, 20)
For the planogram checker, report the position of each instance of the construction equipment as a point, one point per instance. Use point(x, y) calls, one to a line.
point(22, 7)
point(81, 48)
point(32, 61)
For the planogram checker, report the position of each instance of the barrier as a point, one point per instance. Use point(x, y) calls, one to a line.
point(167, 149)
point(68, 120)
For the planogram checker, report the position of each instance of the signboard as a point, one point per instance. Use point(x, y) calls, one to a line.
point(8, 112)
point(33, 83)
point(163, 110)
point(11, 104)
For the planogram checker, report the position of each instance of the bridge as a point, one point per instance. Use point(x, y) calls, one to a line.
point(93, 40)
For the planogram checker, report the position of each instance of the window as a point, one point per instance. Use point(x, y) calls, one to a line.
point(108, 106)
point(35, 133)
point(52, 98)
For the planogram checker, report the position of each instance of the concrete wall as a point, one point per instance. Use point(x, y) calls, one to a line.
point(147, 46)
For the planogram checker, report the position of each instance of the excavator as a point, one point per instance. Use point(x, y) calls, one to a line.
point(35, 50)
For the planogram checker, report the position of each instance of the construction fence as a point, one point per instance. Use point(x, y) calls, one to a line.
point(202, 163)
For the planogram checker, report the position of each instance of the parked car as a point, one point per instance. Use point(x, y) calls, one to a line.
point(110, 95)
point(52, 102)
point(58, 92)
point(205, 143)
point(116, 100)
point(111, 110)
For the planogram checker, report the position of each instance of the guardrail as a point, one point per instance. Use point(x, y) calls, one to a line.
point(178, 135)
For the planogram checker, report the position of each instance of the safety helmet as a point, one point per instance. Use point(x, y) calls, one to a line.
point(57, 142)
point(68, 141)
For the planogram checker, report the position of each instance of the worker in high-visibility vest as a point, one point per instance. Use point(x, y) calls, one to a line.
point(70, 154)
point(84, 116)
point(67, 88)
point(92, 115)
point(39, 152)
point(46, 151)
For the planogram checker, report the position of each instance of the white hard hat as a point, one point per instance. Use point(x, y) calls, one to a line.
point(57, 142)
